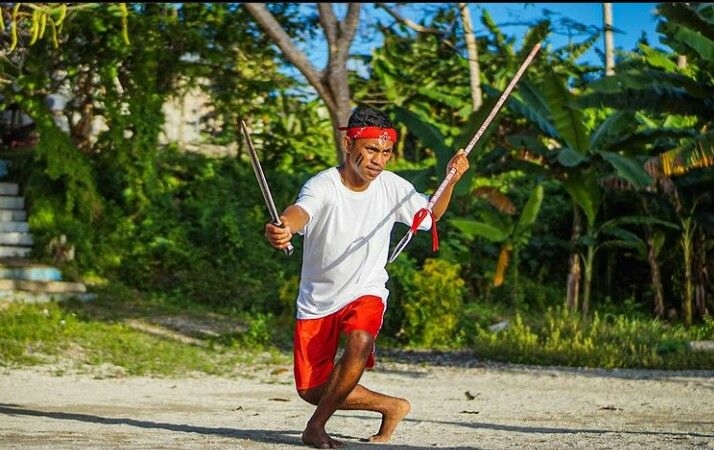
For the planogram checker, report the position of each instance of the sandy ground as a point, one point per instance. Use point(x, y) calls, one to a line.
point(474, 406)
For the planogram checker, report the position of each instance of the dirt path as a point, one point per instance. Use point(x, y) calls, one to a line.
point(487, 407)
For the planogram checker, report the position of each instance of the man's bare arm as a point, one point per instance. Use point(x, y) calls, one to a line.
point(461, 163)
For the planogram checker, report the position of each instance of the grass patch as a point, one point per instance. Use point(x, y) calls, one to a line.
point(124, 333)
point(136, 336)
point(559, 337)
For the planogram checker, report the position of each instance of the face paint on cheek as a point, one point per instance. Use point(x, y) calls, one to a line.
point(358, 159)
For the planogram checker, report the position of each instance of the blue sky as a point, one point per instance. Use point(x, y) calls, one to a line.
point(630, 20)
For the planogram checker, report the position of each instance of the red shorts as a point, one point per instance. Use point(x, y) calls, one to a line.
point(315, 341)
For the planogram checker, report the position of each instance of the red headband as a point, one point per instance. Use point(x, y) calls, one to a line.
point(371, 133)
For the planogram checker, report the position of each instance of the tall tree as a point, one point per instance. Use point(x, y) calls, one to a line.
point(469, 39)
point(679, 100)
point(472, 52)
point(585, 155)
point(609, 40)
point(330, 83)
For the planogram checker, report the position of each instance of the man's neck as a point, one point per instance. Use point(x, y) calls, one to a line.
point(348, 178)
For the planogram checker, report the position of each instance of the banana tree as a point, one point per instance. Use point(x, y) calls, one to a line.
point(512, 235)
point(678, 101)
point(579, 156)
point(430, 101)
point(615, 234)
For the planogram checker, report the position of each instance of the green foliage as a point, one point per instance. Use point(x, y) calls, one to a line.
point(400, 284)
point(287, 294)
point(260, 331)
point(62, 172)
point(127, 336)
point(199, 239)
point(431, 304)
point(62, 195)
point(565, 338)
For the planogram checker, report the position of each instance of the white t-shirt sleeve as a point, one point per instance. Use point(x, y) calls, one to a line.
point(410, 203)
point(310, 199)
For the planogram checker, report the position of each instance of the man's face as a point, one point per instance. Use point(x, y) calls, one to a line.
point(366, 158)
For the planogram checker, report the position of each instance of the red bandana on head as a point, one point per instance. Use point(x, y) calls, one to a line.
point(389, 134)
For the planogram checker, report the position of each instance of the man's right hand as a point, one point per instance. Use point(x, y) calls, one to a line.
point(278, 236)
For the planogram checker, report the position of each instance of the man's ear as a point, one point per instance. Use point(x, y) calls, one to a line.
point(346, 144)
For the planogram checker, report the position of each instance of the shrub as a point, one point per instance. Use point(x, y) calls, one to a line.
point(430, 301)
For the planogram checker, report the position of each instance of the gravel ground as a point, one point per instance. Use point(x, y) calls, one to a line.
point(458, 404)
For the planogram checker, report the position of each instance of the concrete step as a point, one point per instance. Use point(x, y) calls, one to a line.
point(12, 202)
point(47, 287)
point(43, 297)
point(9, 251)
point(7, 188)
point(34, 273)
point(13, 238)
point(12, 215)
point(16, 227)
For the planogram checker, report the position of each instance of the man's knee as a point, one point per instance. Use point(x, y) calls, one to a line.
point(311, 395)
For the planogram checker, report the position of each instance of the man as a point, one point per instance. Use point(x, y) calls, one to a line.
point(346, 215)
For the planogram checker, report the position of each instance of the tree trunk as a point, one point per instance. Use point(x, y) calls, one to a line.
point(702, 277)
point(472, 52)
point(573, 285)
point(331, 84)
point(587, 282)
point(80, 129)
point(609, 40)
point(655, 276)
point(686, 242)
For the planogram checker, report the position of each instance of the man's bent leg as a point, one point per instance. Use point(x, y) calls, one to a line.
point(341, 391)
point(342, 381)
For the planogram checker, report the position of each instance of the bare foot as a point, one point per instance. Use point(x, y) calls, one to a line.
point(396, 411)
point(318, 438)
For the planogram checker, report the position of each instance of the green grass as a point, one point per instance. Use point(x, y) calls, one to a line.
point(557, 337)
point(124, 333)
point(134, 337)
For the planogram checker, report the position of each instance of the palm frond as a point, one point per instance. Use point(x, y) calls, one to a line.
point(657, 59)
point(530, 103)
point(610, 130)
point(569, 122)
point(575, 51)
point(500, 39)
point(535, 34)
point(696, 153)
point(637, 79)
point(684, 15)
point(687, 41)
point(655, 98)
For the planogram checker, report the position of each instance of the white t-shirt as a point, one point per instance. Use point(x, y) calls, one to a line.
point(346, 239)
